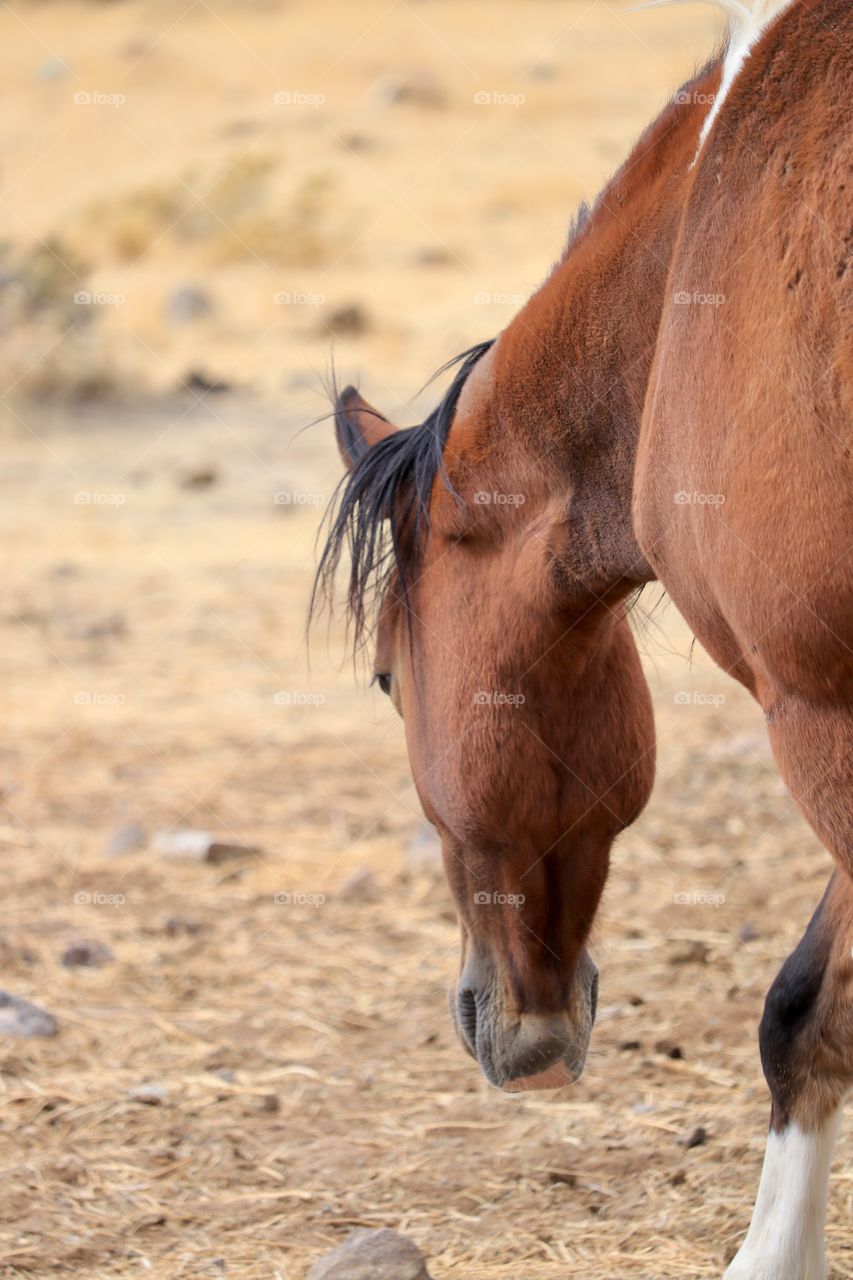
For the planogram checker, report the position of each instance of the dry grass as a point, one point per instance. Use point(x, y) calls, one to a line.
point(310, 1081)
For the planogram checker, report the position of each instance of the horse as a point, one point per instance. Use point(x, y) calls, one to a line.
point(672, 405)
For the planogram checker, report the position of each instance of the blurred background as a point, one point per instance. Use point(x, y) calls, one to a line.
point(227, 941)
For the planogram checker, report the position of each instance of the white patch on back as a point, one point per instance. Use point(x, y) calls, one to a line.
point(785, 1238)
point(748, 22)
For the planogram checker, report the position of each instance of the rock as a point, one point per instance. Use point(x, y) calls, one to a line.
point(417, 88)
point(149, 1094)
point(432, 256)
point(107, 628)
point(188, 303)
point(372, 1255)
point(423, 852)
point(87, 954)
point(176, 926)
point(748, 932)
point(18, 1017)
point(357, 142)
point(65, 569)
point(201, 384)
point(696, 1138)
point(694, 952)
point(543, 71)
point(347, 321)
point(53, 69)
point(198, 846)
point(361, 886)
point(671, 1050)
point(199, 478)
point(125, 840)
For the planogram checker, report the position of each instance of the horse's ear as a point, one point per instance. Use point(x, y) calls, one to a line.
point(358, 426)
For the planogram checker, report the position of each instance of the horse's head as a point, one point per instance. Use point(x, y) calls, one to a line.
point(526, 714)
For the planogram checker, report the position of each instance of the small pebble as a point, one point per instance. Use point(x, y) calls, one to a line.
point(417, 88)
point(176, 926)
point(361, 886)
point(86, 953)
point(198, 846)
point(126, 839)
point(188, 303)
point(18, 1017)
point(202, 384)
point(348, 321)
point(199, 478)
point(694, 952)
point(423, 852)
point(671, 1050)
point(149, 1094)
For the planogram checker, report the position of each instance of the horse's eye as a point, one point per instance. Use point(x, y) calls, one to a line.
point(383, 679)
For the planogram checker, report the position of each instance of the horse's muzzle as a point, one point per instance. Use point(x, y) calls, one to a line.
point(523, 1051)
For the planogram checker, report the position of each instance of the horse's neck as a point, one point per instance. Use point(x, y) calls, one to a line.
point(576, 362)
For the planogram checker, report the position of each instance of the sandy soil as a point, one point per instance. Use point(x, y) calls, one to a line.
point(286, 1025)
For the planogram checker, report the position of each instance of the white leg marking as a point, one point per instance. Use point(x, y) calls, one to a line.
point(785, 1239)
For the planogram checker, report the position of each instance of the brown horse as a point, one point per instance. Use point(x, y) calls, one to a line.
point(673, 404)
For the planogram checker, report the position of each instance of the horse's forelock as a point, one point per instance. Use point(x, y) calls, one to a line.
point(379, 509)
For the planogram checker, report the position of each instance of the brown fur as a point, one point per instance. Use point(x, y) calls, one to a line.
point(604, 400)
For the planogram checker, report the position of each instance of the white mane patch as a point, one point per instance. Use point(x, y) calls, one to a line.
point(748, 19)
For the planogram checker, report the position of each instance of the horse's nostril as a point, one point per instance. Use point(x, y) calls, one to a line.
point(593, 997)
point(466, 1007)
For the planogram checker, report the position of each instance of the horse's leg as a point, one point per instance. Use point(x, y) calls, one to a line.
point(806, 1042)
point(807, 1030)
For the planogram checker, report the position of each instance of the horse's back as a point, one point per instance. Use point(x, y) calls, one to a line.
point(744, 487)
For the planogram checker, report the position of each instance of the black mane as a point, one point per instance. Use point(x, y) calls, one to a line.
point(381, 506)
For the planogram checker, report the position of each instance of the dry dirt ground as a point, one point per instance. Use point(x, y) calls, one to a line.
point(266, 1061)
